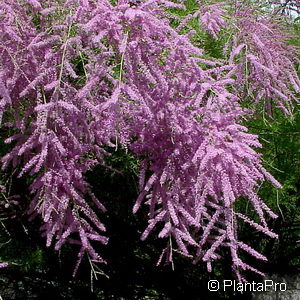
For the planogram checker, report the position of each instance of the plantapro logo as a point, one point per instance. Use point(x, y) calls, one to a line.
point(241, 287)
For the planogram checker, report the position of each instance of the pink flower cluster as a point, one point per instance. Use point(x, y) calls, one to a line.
point(3, 265)
point(212, 18)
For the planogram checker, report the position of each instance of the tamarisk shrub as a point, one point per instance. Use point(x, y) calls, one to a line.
point(268, 61)
point(140, 87)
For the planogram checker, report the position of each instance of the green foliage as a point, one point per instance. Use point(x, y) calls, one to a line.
point(281, 151)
